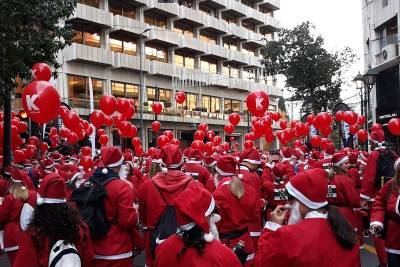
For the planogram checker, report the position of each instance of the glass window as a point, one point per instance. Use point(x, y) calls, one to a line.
point(156, 20)
point(187, 3)
point(178, 59)
point(249, 74)
point(78, 91)
point(157, 94)
point(123, 46)
point(211, 103)
point(116, 45)
point(118, 89)
point(190, 102)
point(132, 91)
point(86, 38)
point(231, 44)
point(231, 105)
point(116, 9)
point(207, 66)
point(230, 71)
point(127, 90)
point(249, 51)
point(93, 3)
point(156, 53)
point(184, 29)
point(184, 61)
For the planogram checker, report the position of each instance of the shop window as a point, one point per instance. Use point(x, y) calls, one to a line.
point(78, 91)
point(126, 90)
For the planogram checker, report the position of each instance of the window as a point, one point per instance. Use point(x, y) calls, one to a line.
point(157, 94)
point(231, 105)
point(128, 12)
point(211, 103)
point(78, 91)
point(208, 37)
point(155, 20)
point(184, 29)
point(209, 66)
point(186, 3)
point(230, 71)
point(184, 61)
point(249, 75)
point(123, 46)
point(249, 51)
point(93, 3)
point(229, 19)
point(208, 10)
point(156, 53)
point(126, 90)
point(190, 102)
point(86, 38)
point(248, 3)
point(231, 44)
point(249, 26)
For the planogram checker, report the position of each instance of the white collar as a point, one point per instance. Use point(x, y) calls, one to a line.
point(315, 214)
point(380, 147)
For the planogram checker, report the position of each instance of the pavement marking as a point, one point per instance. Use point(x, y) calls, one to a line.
point(369, 249)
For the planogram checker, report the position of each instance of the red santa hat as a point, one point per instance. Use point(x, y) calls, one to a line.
point(310, 187)
point(353, 156)
point(251, 156)
point(227, 165)
point(192, 207)
point(74, 157)
point(285, 152)
point(279, 170)
point(339, 158)
point(377, 137)
point(72, 176)
point(112, 157)
point(330, 149)
point(128, 156)
point(195, 156)
point(315, 154)
point(171, 157)
point(52, 190)
point(210, 161)
point(47, 165)
point(56, 156)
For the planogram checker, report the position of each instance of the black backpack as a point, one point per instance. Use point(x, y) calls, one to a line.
point(165, 227)
point(385, 168)
point(89, 198)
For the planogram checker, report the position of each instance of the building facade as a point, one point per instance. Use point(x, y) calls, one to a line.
point(210, 49)
point(381, 53)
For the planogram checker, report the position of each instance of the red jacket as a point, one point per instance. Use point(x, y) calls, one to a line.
point(309, 243)
point(355, 175)
point(197, 171)
point(368, 190)
point(251, 179)
point(29, 256)
point(119, 207)
point(386, 205)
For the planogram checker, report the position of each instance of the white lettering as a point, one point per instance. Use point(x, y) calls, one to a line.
point(259, 101)
point(30, 102)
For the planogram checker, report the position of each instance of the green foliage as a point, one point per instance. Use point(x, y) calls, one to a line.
point(31, 31)
point(312, 73)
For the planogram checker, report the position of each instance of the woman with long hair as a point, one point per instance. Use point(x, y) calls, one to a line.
point(20, 191)
point(385, 217)
point(53, 220)
point(238, 205)
point(317, 234)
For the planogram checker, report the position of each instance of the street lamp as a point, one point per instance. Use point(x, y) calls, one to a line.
point(141, 83)
point(359, 83)
point(369, 82)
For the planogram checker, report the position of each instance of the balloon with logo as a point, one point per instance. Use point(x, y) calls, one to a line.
point(103, 139)
point(157, 108)
point(155, 126)
point(108, 104)
point(41, 101)
point(203, 127)
point(394, 126)
point(362, 135)
point(257, 103)
point(234, 119)
point(41, 72)
point(180, 97)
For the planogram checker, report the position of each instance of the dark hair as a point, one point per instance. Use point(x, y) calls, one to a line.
point(274, 152)
point(55, 222)
point(343, 231)
point(192, 238)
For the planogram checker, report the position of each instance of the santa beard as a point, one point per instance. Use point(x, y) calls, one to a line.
point(295, 215)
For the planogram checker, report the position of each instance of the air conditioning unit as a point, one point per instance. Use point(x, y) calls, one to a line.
point(389, 52)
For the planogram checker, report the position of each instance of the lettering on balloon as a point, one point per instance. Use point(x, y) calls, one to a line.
point(259, 101)
point(30, 102)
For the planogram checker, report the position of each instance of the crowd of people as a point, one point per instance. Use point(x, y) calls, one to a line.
point(296, 206)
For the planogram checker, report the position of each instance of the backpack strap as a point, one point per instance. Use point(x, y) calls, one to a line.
point(61, 254)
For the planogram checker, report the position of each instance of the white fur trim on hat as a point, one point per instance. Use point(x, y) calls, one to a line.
point(240, 176)
point(252, 161)
point(116, 164)
point(188, 226)
point(74, 176)
point(43, 200)
point(164, 170)
point(343, 160)
point(306, 201)
point(104, 171)
point(222, 173)
point(210, 208)
point(397, 164)
point(208, 237)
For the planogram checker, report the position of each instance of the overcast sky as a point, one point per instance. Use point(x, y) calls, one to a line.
point(338, 21)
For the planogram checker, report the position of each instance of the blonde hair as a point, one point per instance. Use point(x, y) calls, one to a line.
point(154, 169)
point(236, 187)
point(335, 170)
point(19, 191)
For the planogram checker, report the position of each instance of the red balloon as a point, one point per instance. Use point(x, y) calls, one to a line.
point(125, 128)
point(100, 132)
point(152, 151)
point(376, 127)
point(157, 108)
point(197, 144)
point(225, 146)
point(97, 118)
point(361, 120)
point(232, 139)
point(139, 151)
point(323, 120)
point(234, 119)
point(41, 101)
point(350, 117)
point(103, 139)
point(297, 143)
point(89, 130)
point(199, 135)
point(155, 126)
point(62, 111)
point(229, 128)
point(269, 138)
point(210, 135)
point(324, 143)
point(394, 126)
point(41, 72)
point(169, 134)
point(118, 120)
point(71, 120)
point(30, 151)
point(33, 140)
point(162, 140)
point(136, 141)
point(325, 131)
point(22, 127)
point(250, 136)
point(108, 104)
point(129, 112)
point(203, 127)
point(86, 151)
point(175, 142)
point(122, 105)
point(19, 156)
point(257, 103)
point(133, 131)
point(353, 129)
point(339, 116)
point(86, 162)
point(248, 144)
point(310, 118)
point(208, 148)
point(283, 124)
point(180, 97)
point(276, 116)
point(217, 140)
point(315, 141)
point(72, 138)
point(362, 135)
point(44, 147)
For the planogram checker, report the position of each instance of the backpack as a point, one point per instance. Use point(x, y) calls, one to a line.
point(25, 216)
point(166, 225)
point(64, 254)
point(89, 198)
point(385, 168)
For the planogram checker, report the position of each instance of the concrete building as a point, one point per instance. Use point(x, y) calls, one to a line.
point(209, 49)
point(381, 53)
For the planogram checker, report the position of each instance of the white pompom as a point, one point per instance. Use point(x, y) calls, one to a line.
point(80, 168)
point(23, 188)
point(164, 170)
point(104, 171)
point(209, 237)
point(240, 176)
point(98, 151)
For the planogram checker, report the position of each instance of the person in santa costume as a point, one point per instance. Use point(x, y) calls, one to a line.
point(195, 244)
point(160, 191)
point(238, 205)
point(317, 234)
point(53, 220)
point(385, 217)
point(115, 248)
point(194, 167)
point(21, 191)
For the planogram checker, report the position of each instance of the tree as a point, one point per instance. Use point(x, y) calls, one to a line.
point(312, 73)
point(30, 32)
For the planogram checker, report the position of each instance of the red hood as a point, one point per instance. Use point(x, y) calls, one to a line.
point(171, 181)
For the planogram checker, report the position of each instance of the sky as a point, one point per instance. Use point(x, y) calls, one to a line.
point(340, 24)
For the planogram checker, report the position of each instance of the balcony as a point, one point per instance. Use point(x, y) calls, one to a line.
point(129, 62)
point(161, 68)
point(191, 15)
point(236, 8)
point(84, 53)
point(192, 44)
point(214, 3)
point(92, 14)
point(273, 5)
point(167, 9)
point(127, 25)
point(164, 36)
